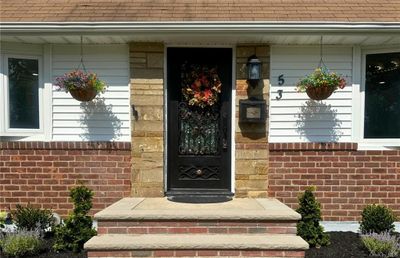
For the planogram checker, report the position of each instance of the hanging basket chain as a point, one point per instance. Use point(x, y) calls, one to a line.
point(321, 64)
point(320, 84)
point(81, 84)
point(81, 64)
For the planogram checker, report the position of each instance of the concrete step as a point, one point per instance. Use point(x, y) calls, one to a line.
point(160, 216)
point(193, 245)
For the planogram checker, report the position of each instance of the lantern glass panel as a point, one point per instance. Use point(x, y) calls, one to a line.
point(254, 69)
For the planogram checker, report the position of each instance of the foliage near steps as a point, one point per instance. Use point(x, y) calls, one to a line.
point(77, 228)
point(377, 218)
point(308, 227)
point(32, 218)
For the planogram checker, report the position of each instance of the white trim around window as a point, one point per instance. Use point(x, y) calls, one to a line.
point(5, 116)
point(371, 144)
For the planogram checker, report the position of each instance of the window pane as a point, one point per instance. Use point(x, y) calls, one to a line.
point(23, 83)
point(382, 96)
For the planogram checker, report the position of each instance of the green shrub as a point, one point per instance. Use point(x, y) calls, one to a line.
point(377, 218)
point(22, 243)
point(77, 228)
point(382, 245)
point(3, 216)
point(30, 218)
point(308, 227)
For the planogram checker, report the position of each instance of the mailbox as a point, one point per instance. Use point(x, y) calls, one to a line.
point(252, 111)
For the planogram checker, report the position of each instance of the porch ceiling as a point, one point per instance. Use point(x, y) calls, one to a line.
point(199, 38)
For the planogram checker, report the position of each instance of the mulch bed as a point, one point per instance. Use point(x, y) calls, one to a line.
point(343, 245)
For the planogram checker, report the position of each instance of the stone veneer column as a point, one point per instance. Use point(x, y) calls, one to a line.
point(251, 139)
point(147, 84)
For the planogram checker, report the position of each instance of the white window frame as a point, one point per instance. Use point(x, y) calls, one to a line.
point(368, 143)
point(5, 117)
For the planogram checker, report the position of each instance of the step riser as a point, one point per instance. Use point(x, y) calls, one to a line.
point(197, 253)
point(196, 227)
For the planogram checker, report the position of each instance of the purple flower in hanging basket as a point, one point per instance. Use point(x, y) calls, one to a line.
point(80, 80)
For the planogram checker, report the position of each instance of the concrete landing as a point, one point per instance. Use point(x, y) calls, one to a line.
point(163, 209)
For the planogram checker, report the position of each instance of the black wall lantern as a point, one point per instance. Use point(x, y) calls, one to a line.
point(253, 70)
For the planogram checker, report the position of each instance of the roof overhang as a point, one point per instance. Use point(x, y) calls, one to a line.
point(217, 32)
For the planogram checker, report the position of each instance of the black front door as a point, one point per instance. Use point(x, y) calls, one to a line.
point(199, 82)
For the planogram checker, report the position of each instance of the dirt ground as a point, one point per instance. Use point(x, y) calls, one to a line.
point(343, 245)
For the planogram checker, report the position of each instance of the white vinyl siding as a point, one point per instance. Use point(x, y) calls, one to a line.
point(21, 49)
point(109, 119)
point(295, 118)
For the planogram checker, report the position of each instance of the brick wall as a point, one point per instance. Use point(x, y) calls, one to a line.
point(251, 139)
point(41, 173)
point(346, 179)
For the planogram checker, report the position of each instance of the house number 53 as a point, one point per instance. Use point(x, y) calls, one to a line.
point(281, 81)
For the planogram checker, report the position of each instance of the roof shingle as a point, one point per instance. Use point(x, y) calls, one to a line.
point(199, 10)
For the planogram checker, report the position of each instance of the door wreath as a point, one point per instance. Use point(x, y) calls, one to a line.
point(201, 85)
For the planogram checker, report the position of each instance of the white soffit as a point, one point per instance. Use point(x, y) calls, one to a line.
point(203, 32)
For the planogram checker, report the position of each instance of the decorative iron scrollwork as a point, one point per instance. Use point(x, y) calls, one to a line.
point(199, 173)
point(198, 130)
point(225, 131)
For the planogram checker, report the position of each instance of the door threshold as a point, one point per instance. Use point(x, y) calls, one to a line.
point(199, 197)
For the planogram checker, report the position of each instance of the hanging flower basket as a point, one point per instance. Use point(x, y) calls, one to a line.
point(82, 85)
point(321, 84)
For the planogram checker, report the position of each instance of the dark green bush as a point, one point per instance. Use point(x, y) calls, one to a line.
point(30, 218)
point(22, 243)
point(77, 228)
point(377, 218)
point(308, 227)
